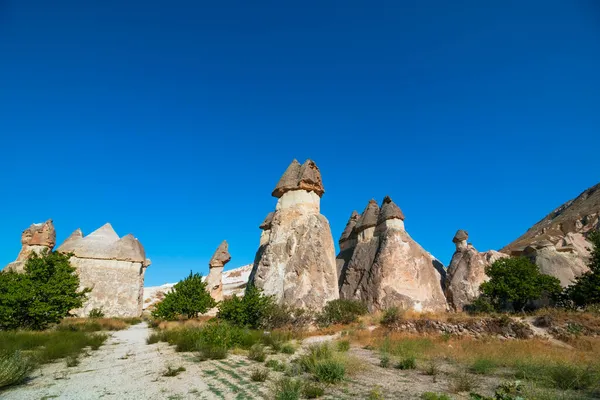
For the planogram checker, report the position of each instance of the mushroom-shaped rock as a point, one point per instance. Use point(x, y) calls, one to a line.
point(460, 236)
point(389, 210)
point(289, 179)
point(266, 224)
point(368, 218)
point(347, 243)
point(349, 229)
point(309, 178)
point(37, 238)
point(221, 256)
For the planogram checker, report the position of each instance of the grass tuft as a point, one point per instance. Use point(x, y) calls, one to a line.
point(287, 389)
point(14, 368)
point(259, 374)
point(257, 353)
point(173, 371)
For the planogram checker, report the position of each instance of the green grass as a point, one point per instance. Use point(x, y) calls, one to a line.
point(288, 348)
point(287, 389)
point(312, 390)
point(14, 368)
point(435, 396)
point(259, 374)
point(483, 366)
point(343, 345)
point(257, 353)
point(329, 371)
point(275, 365)
point(409, 362)
point(171, 371)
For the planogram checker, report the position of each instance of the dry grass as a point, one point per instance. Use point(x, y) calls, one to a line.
point(96, 324)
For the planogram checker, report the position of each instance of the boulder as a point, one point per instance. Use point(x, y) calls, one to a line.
point(466, 272)
point(37, 238)
point(214, 280)
point(296, 259)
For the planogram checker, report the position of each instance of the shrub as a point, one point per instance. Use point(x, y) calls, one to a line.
point(432, 368)
point(14, 368)
point(384, 361)
point(275, 365)
point(434, 396)
point(288, 348)
point(343, 345)
point(173, 371)
point(406, 363)
point(259, 374)
point(189, 298)
point(312, 390)
point(391, 316)
point(481, 305)
point(287, 389)
point(154, 337)
point(211, 351)
point(463, 382)
point(482, 366)
point(42, 295)
point(571, 377)
point(341, 312)
point(316, 353)
point(249, 311)
point(586, 287)
point(96, 313)
point(375, 394)
point(516, 282)
point(72, 361)
point(257, 353)
point(329, 371)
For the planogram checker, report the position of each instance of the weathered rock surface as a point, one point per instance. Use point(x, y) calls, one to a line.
point(347, 244)
point(214, 280)
point(565, 229)
point(466, 272)
point(296, 259)
point(388, 268)
point(35, 239)
point(112, 267)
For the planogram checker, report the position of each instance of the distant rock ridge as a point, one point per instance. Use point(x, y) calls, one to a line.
point(295, 261)
point(466, 271)
point(386, 267)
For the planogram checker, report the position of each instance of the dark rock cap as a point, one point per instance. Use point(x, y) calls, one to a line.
point(306, 177)
point(460, 236)
point(389, 210)
point(349, 227)
point(221, 256)
point(369, 217)
point(266, 224)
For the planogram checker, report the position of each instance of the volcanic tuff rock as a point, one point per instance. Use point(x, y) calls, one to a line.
point(214, 280)
point(388, 268)
point(296, 258)
point(347, 243)
point(566, 229)
point(36, 238)
point(112, 267)
point(466, 272)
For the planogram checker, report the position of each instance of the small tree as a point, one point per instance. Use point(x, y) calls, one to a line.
point(517, 281)
point(42, 295)
point(189, 298)
point(586, 288)
point(249, 311)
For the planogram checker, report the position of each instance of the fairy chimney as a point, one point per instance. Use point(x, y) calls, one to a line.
point(214, 280)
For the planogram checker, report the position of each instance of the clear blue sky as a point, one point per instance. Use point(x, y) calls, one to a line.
point(174, 120)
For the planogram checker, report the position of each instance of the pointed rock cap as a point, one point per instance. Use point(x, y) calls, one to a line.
point(289, 179)
point(105, 233)
point(221, 256)
point(306, 177)
point(128, 248)
point(369, 217)
point(266, 224)
point(349, 227)
point(67, 245)
point(389, 210)
point(310, 178)
point(460, 236)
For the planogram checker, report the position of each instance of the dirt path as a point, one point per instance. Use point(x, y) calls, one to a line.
point(125, 367)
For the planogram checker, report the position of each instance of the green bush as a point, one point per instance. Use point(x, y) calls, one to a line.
point(72, 361)
point(259, 374)
point(406, 363)
point(517, 282)
point(343, 345)
point(211, 351)
point(96, 313)
point(341, 312)
point(312, 390)
point(384, 361)
point(482, 366)
point(571, 377)
point(248, 311)
point(42, 295)
point(288, 348)
point(391, 316)
point(189, 298)
point(287, 389)
point(586, 288)
point(14, 368)
point(329, 371)
point(275, 365)
point(435, 396)
point(316, 353)
point(257, 353)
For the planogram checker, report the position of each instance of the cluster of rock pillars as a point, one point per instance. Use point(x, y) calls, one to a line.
point(378, 262)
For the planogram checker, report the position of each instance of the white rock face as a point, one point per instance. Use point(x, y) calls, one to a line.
point(112, 267)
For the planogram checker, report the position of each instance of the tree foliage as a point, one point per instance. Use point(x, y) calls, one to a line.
point(586, 288)
point(251, 311)
point(189, 298)
point(516, 282)
point(42, 295)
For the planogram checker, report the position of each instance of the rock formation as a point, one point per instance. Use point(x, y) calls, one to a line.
point(466, 271)
point(35, 239)
point(112, 267)
point(347, 244)
point(214, 280)
point(296, 258)
point(557, 243)
point(387, 267)
point(354, 273)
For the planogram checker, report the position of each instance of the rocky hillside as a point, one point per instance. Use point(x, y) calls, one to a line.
point(579, 215)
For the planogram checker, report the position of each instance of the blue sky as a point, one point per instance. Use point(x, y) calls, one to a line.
point(174, 120)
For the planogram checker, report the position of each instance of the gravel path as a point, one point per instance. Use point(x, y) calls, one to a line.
point(125, 367)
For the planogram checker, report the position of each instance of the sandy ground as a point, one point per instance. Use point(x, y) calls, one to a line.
point(125, 367)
